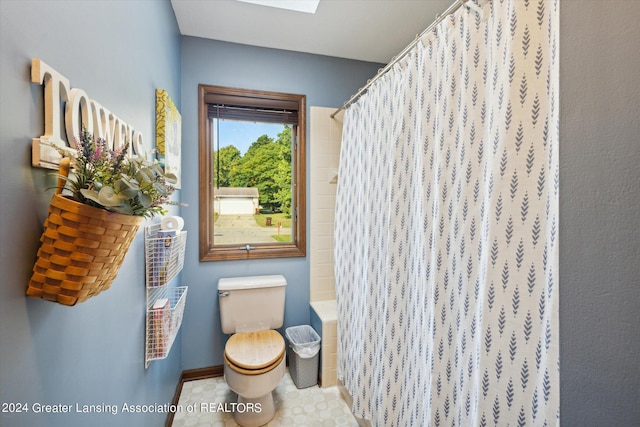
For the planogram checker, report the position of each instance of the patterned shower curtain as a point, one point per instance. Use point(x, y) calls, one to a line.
point(446, 235)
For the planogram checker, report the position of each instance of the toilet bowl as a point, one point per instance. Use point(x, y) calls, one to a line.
point(254, 357)
point(254, 364)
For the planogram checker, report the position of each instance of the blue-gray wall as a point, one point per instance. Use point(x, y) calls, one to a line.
point(92, 353)
point(326, 82)
point(599, 213)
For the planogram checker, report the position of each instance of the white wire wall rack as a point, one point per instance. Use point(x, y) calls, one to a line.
point(164, 259)
point(164, 254)
point(163, 322)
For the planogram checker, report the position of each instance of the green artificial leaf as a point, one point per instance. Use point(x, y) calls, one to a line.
point(108, 197)
point(145, 200)
point(144, 176)
point(125, 190)
point(125, 209)
point(161, 189)
point(171, 178)
point(129, 182)
point(91, 195)
point(157, 169)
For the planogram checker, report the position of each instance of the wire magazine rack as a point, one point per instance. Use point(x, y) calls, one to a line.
point(164, 259)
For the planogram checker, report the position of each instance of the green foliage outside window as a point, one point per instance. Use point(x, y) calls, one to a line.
point(266, 165)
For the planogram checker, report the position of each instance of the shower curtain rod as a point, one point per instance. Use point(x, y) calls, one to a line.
point(439, 18)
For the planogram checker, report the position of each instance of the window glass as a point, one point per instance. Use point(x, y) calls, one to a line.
point(252, 182)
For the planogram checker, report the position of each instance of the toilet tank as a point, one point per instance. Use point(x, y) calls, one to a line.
point(252, 303)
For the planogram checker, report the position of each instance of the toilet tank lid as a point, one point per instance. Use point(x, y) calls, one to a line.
point(251, 282)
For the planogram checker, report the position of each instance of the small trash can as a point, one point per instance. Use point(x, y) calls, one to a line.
point(303, 352)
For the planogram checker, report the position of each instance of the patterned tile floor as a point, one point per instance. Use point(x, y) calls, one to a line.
point(309, 407)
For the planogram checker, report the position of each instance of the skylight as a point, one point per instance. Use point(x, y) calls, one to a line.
point(306, 6)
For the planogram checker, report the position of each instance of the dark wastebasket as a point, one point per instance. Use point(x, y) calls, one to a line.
point(303, 352)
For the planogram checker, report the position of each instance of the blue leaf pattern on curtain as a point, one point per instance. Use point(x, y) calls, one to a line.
point(446, 244)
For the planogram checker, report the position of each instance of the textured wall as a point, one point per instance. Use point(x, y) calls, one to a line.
point(92, 353)
point(327, 82)
point(599, 213)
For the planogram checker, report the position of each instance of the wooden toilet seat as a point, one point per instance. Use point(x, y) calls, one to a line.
point(254, 353)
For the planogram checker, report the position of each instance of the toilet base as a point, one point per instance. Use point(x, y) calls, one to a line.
point(256, 406)
point(255, 412)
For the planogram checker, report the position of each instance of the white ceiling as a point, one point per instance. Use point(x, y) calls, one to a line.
point(366, 30)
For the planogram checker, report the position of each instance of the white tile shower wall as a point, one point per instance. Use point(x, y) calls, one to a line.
point(324, 155)
point(326, 312)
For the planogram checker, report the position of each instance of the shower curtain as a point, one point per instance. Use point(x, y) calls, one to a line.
point(446, 230)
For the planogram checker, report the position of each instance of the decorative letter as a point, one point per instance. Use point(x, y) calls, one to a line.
point(56, 90)
point(120, 137)
point(101, 122)
point(136, 144)
point(78, 103)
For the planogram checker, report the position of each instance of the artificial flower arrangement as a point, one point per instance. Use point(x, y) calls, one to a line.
point(110, 180)
point(89, 231)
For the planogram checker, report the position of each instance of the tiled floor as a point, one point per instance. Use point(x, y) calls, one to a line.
point(310, 407)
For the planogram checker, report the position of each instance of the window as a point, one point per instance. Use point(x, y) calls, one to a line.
point(252, 189)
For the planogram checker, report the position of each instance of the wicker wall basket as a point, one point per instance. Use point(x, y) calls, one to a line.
point(82, 249)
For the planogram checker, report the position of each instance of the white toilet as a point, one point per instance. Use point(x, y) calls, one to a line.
point(254, 356)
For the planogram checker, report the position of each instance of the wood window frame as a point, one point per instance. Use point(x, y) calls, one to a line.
point(259, 99)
